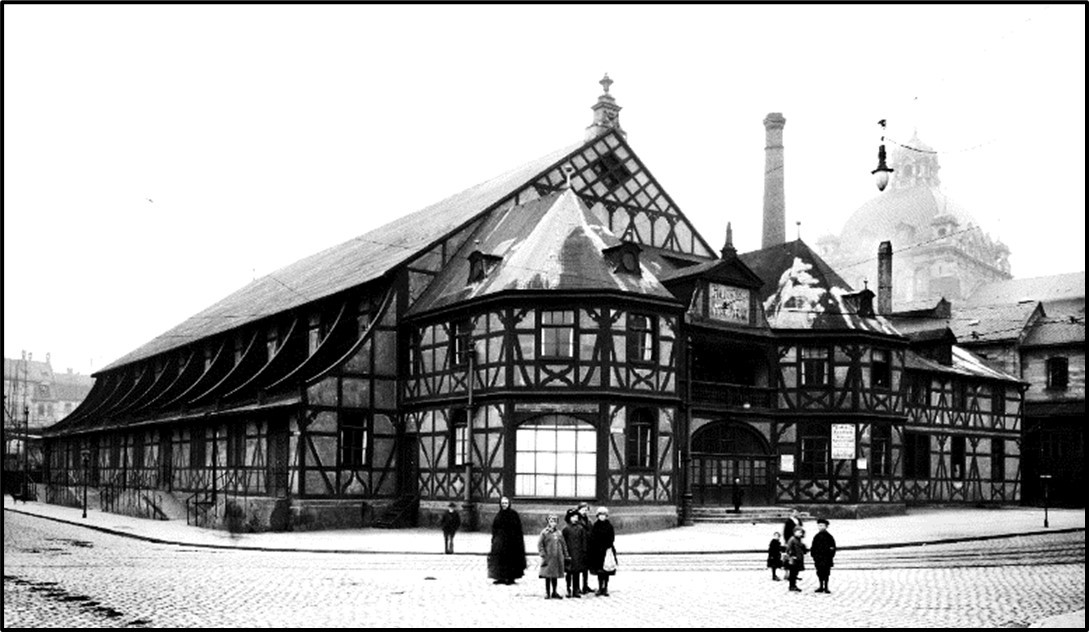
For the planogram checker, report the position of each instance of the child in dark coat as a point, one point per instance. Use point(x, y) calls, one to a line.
point(796, 549)
point(823, 550)
point(775, 555)
point(577, 539)
point(451, 522)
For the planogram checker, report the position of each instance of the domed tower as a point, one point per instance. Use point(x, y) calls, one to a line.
point(940, 250)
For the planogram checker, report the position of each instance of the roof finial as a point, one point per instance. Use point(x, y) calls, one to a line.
point(606, 112)
point(606, 82)
point(799, 228)
point(568, 170)
point(728, 251)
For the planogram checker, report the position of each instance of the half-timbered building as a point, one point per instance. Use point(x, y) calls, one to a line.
point(559, 333)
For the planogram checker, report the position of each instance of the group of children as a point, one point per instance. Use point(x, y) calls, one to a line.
point(576, 550)
point(791, 554)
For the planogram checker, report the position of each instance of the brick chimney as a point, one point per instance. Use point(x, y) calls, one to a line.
point(774, 198)
point(884, 278)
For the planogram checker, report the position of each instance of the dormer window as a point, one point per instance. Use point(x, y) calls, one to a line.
point(624, 258)
point(481, 265)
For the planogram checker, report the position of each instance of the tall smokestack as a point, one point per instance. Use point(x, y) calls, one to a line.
point(884, 278)
point(774, 199)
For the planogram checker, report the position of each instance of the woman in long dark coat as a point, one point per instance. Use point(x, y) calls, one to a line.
point(602, 536)
point(507, 559)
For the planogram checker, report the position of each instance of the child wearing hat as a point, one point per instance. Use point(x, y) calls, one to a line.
point(577, 539)
point(823, 551)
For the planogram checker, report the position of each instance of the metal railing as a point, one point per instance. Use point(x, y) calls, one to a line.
point(733, 395)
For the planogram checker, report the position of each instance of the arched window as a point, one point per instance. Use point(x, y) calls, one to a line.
point(556, 457)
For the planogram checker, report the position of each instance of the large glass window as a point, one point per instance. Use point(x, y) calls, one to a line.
point(814, 366)
point(640, 338)
point(916, 455)
point(815, 440)
point(558, 334)
point(556, 457)
point(641, 439)
point(354, 440)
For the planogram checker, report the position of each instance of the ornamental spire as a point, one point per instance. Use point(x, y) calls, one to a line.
point(606, 112)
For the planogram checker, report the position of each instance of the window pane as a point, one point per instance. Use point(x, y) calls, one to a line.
point(565, 440)
point(565, 462)
point(565, 485)
point(585, 487)
point(546, 462)
point(585, 462)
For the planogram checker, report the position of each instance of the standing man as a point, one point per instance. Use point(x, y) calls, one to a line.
point(737, 493)
point(822, 551)
point(791, 523)
point(451, 522)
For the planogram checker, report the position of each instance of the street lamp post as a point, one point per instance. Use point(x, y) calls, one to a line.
point(1046, 478)
point(26, 452)
point(86, 465)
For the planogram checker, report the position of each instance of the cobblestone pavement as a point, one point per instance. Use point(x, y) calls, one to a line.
point(58, 575)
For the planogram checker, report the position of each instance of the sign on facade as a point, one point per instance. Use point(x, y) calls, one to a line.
point(843, 441)
point(786, 462)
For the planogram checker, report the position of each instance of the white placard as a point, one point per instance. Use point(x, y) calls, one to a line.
point(843, 441)
point(861, 463)
point(786, 462)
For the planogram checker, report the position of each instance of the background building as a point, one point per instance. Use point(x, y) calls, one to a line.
point(941, 251)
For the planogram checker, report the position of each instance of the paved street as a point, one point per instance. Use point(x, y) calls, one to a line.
point(61, 575)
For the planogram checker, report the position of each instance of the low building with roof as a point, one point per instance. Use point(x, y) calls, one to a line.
point(557, 334)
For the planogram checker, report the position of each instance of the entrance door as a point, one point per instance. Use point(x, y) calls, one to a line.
point(724, 451)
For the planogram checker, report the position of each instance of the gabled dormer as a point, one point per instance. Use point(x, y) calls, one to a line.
point(722, 292)
point(481, 265)
point(624, 258)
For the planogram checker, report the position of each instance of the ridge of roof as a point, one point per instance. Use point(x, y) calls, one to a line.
point(349, 264)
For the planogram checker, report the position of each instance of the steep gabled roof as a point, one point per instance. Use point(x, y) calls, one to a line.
point(993, 323)
point(553, 243)
point(349, 264)
point(801, 291)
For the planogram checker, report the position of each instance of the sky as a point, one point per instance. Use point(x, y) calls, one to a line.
point(159, 157)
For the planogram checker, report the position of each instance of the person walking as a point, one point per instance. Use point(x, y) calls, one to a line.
point(775, 555)
point(602, 560)
point(507, 559)
point(796, 550)
point(577, 540)
point(823, 550)
point(553, 551)
point(451, 522)
point(584, 518)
